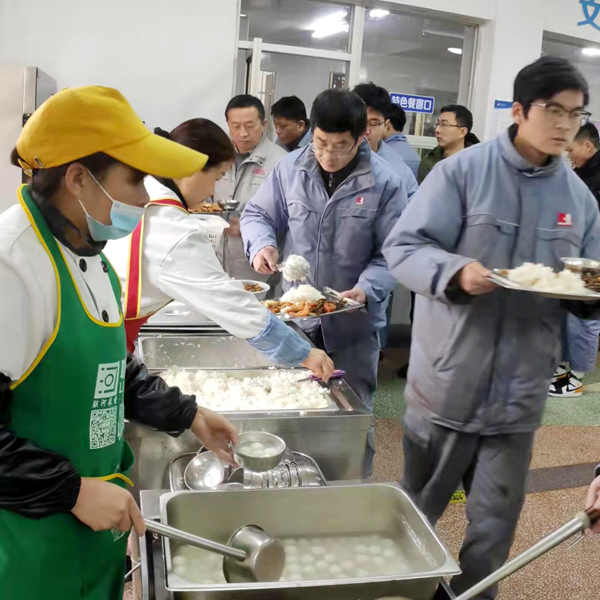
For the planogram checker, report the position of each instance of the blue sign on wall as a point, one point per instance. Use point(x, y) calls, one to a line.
point(410, 103)
point(591, 11)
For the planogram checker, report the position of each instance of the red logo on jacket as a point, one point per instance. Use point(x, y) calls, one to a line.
point(259, 171)
point(360, 201)
point(564, 220)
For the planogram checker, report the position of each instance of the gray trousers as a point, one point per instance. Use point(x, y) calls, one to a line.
point(361, 362)
point(494, 471)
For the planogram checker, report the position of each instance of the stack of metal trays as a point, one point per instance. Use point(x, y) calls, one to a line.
point(295, 470)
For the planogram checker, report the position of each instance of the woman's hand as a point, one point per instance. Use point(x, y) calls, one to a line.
point(593, 500)
point(102, 506)
point(319, 363)
point(216, 433)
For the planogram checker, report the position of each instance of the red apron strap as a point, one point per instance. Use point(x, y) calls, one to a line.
point(133, 290)
point(132, 330)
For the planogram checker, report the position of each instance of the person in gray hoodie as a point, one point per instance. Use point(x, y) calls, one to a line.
point(482, 357)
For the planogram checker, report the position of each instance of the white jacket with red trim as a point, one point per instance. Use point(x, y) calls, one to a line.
point(179, 263)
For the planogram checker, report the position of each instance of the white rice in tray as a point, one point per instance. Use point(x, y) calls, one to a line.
point(543, 278)
point(302, 293)
point(273, 391)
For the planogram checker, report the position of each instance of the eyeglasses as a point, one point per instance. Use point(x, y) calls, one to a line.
point(319, 151)
point(442, 124)
point(374, 124)
point(556, 112)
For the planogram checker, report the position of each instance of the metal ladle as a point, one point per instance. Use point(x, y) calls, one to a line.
point(251, 554)
point(576, 526)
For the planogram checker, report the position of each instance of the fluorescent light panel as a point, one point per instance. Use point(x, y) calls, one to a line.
point(455, 50)
point(330, 25)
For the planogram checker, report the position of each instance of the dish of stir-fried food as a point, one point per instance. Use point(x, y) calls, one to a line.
point(305, 309)
point(252, 287)
point(206, 207)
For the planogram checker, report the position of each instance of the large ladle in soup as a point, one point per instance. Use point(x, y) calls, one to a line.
point(251, 554)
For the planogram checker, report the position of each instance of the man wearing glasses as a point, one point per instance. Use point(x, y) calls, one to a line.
point(379, 104)
point(334, 203)
point(453, 134)
point(482, 357)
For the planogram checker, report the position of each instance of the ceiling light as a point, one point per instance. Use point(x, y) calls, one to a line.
point(455, 50)
point(378, 13)
point(591, 51)
point(244, 16)
point(333, 23)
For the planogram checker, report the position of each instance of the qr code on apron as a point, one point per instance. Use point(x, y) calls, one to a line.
point(103, 428)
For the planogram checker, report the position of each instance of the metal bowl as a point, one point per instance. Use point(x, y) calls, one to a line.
point(584, 266)
point(205, 472)
point(264, 288)
point(274, 446)
point(229, 205)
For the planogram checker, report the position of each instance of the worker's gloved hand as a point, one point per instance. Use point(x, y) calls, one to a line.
point(355, 294)
point(474, 279)
point(102, 506)
point(319, 363)
point(266, 260)
point(593, 500)
point(216, 433)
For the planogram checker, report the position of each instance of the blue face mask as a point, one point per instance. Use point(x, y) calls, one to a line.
point(124, 218)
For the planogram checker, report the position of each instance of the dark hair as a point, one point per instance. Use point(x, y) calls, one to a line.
point(546, 77)
point(338, 111)
point(375, 97)
point(290, 107)
point(246, 101)
point(464, 118)
point(46, 182)
point(203, 136)
point(463, 115)
point(397, 117)
point(589, 132)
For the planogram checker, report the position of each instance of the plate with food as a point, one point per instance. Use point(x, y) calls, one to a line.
point(258, 288)
point(206, 208)
point(306, 302)
point(568, 284)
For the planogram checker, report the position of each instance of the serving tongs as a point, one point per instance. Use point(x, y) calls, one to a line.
point(335, 375)
point(338, 297)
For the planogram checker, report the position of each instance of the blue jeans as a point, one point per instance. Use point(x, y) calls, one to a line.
point(580, 342)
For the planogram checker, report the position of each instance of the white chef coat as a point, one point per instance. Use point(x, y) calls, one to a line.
point(28, 295)
point(179, 263)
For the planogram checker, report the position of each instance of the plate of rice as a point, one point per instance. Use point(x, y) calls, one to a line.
point(544, 281)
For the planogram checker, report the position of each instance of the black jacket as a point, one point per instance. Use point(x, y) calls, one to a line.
point(36, 483)
point(590, 174)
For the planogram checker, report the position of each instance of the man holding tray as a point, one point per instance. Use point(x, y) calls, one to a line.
point(334, 202)
point(482, 357)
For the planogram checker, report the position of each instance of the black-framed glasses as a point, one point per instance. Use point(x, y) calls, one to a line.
point(373, 124)
point(556, 112)
point(338, 153)
point(439, 123)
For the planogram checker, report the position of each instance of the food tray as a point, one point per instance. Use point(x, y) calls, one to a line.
point(333, 511)
point(243, 373)
point(330, 296)
point(500, 279)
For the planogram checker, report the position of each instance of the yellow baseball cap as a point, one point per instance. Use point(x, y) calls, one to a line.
point(81, 121)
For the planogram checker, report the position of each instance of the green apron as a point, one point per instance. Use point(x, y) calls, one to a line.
point(70, 401)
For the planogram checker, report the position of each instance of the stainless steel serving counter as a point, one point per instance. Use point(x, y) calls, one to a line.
point(334, 437)
point(393, 510)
